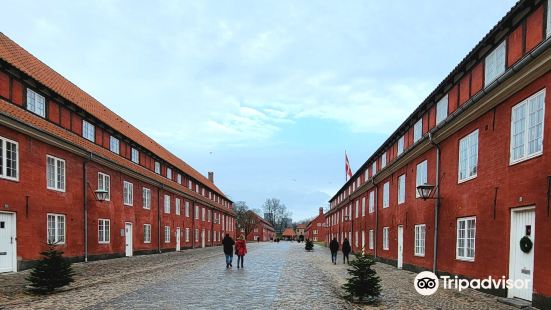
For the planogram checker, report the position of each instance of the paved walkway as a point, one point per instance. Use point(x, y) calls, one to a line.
point(276, 276)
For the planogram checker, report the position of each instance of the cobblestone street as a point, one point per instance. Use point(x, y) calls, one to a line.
point(276, 276)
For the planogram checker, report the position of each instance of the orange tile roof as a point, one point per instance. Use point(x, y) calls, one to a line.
point(17, 113)
point(288, 232)
point(18, 57)
point(301, 226)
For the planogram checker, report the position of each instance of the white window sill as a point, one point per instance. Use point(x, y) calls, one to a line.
point(459, 181)
point(523, 159)
point(104, 242)
point(9, 179)
point(128, 205)
point(419, 255)
point(465, 259)
point(56, 189)
point(147, 242)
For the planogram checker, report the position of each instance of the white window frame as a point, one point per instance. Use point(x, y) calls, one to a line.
point(104, 231)
point(104, 184)
point(88, 131)
point(146, 233)
point(465, 257)
point(196, 212)
point(357, 208)
point(421, 175)
point(386, 195)
point(442, 109)
point(114, 145)
point(203, 214)
point(383, 161)
point(128, 193)
point(168, 173)
point(166, 202)
point(187, 234)
point(36, 103)
point(4, 159)
point(179, 178)
point(186, 204)
point(400, 145)
point(59, 181)
point(363, 206)
point(468, 157)
point(374, 168)
point(167, 234)
point(177, 205)
point(58, 237)
point(386, 233)
point(135, 155)
point(525, 135)
point(146, 197)
point(418, 130)
point(494, 64)
point(401, 189)
point(371, 201)
point(157, 167)
point(419, 240)
point(371, 237)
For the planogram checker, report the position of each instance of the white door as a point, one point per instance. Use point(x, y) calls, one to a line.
point(203, 238)
point(177, 238)
point(363, 241)
point(521, 263)
point(7, 243)
point(128, 239)
point(400, 246)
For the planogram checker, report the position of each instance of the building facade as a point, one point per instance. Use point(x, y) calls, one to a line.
point(263, 230)
point(77, 175)
point(315, 230)
point(480, 143)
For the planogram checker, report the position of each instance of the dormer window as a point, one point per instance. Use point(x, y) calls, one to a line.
point(494, 64)
point(36, 103)
point(169, 173)
point(135, 156)
point(88, 131)
point(114, 145)
point(157, 167)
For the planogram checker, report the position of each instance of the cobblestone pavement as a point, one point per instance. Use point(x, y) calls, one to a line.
point(276, 276)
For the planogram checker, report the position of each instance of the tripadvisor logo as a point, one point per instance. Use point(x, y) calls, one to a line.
point(426, 283)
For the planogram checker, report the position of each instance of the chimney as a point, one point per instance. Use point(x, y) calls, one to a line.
point(211, 176)
point(321, 210)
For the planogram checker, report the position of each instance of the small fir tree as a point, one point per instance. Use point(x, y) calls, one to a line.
point(309, 245)
point(50, 272)
point(364, 284)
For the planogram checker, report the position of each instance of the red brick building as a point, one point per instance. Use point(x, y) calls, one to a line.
point(61, 150)
point(315, 230)
point(481, 142)
point(263, 231)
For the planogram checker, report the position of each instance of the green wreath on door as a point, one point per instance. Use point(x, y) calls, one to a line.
point(526, 244)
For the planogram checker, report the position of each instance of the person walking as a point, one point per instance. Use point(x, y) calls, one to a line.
point(240, 250)
point(345, 251)
point(228, 249)
point(334, 247)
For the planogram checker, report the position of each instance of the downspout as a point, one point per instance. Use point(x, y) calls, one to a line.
point(85, 194)
point(376, 216)
point(437, 204)
point(193, 226)
point(159, 218)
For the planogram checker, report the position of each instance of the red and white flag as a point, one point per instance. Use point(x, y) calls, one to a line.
point(347, 169)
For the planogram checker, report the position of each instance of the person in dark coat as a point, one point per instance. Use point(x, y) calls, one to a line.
point(334, 247)
point(228, 249)
point(345, 251)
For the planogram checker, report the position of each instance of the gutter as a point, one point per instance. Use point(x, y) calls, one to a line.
point(436, 206)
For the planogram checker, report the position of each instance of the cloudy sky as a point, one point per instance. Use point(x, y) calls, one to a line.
point(267, 94)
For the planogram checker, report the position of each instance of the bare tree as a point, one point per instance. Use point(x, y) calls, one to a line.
point(246, 219)
point(276, 214)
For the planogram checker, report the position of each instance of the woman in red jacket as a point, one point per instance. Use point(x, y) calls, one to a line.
point(240, 250)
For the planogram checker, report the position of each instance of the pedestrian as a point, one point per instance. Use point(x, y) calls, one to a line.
point(345, 251)
point(334, 247)
point(240, 250)
point(228, 249)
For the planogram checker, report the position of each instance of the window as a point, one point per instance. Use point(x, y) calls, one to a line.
point(187, 208)
point(196, 235)
point(203, 214)
point(9, 159)
point(146, 233)
point(402, 189)
point(374, 168)
point(56, 229)
point(357, 207)
point(420, 240)
point(494, 64)
point(167, 204)
point(168, 173)
point(371, 202)
point(385, 238)
point(386, 195)
point(187, 234)
point(128, 193)
point(157, 167)
point(146, 195)
point(88, 131)
point(418, 130)
point(177, 206)
point(114, 145)
point(36, 103)
point(55, 172)
point(208, 216)
point(196, 212)
point(363, 206)
point(189, 185)
point(356, 238)
point(527, 128)
point(466, 231)
point(196, 188)
point(103, 231)
point(135, 156)
point(468, 156)
point(167, 234)
point(179, 178)
point(104, 184)
point(400, 145)
point(421, 176)
point(383, 160)
point(442, 109)
point(371, 239)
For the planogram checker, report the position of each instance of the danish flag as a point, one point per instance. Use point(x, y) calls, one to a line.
point(347, 169)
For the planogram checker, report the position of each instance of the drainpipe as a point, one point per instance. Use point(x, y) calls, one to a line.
point(437, 204)
point(159, 218)
point(375, 198)
point(193, 226)
point(85, 194)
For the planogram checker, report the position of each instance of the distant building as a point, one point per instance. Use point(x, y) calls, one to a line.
point(315, 230)
point(263, 231)
point(289, 233)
